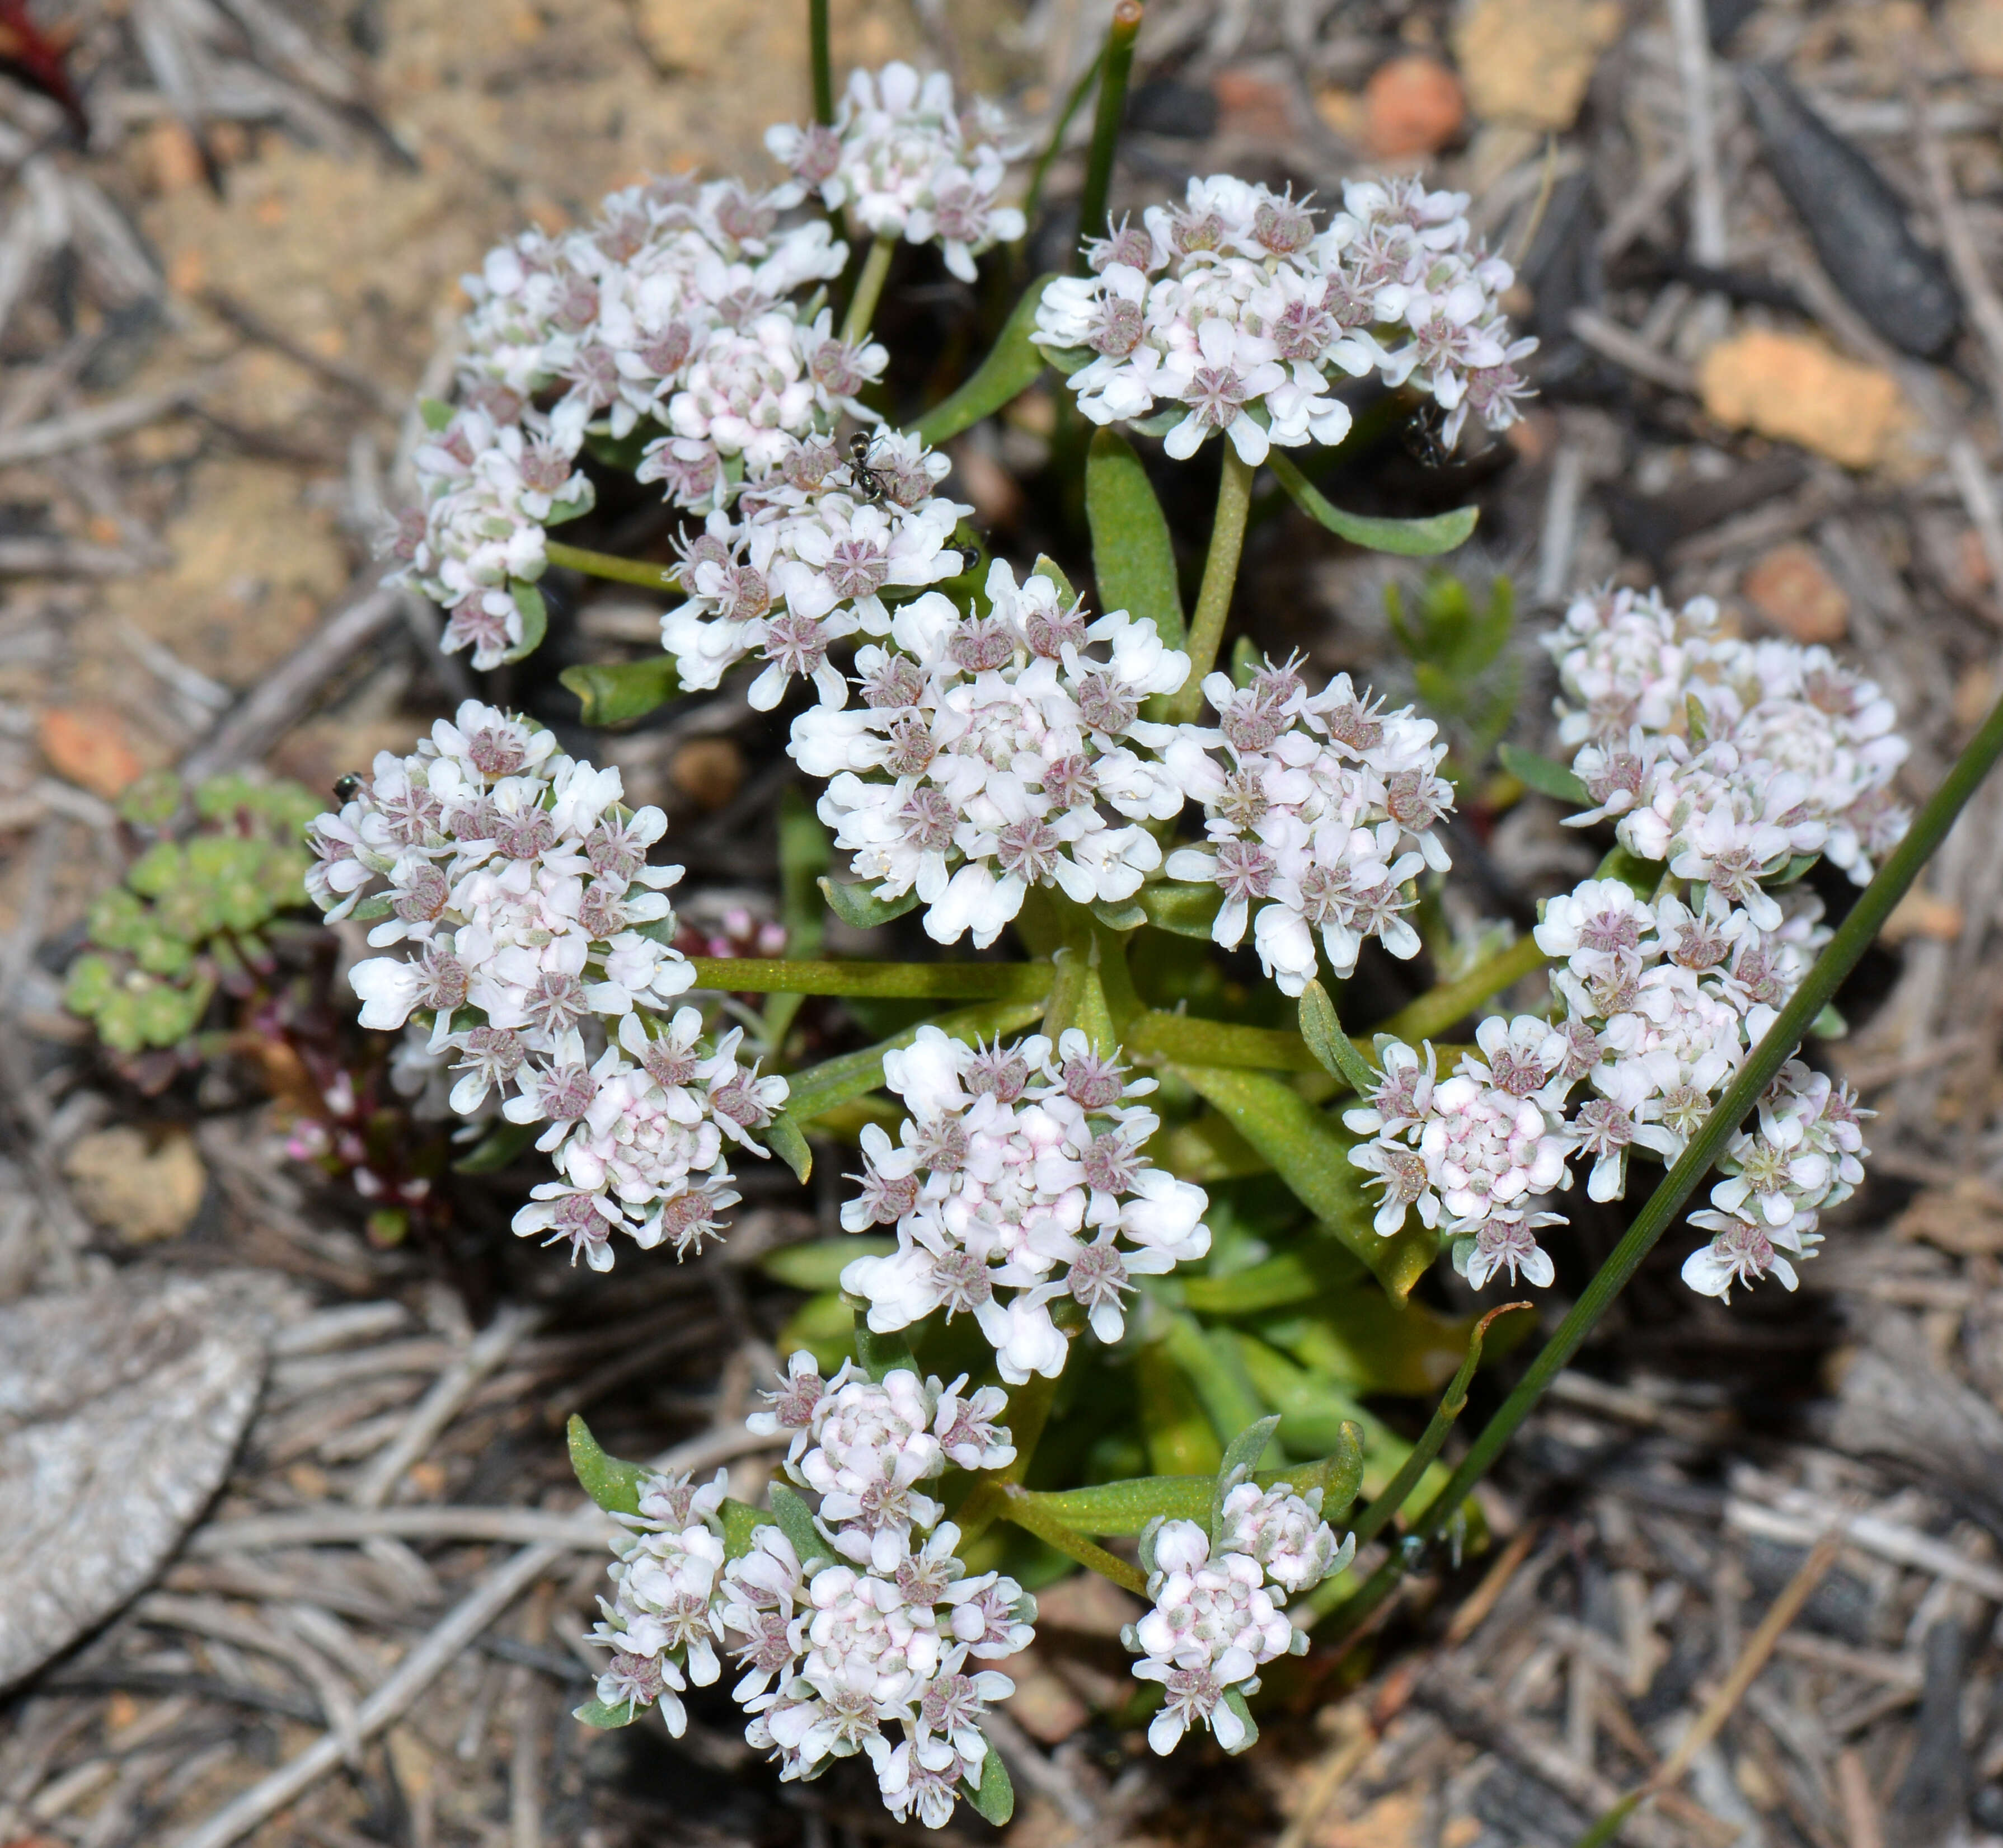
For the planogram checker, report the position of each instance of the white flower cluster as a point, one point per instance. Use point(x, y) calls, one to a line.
point(1234, 305)
point(876, 1641)
point(1215, 1623)
point(1805, 1152)
point(1726, 758)
point(534, 932)
point(1318, 810)
point(1660, 1005)
point(678, 315)
point(904, 162)
point(805, 561)
point(989, 750)
point(1022, 1170)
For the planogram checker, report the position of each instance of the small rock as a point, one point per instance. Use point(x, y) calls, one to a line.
point(1791, 590)
point(1793, 389)
point(142, 1188)
point(174, 155)
point(1965, 1218)
point(1411, 104)
point(120, 1408)
point(1042, 1705)
point(86, 745)
point(709, 771)
point(1976, 26)
point(1531, 65)
point(1254, 105)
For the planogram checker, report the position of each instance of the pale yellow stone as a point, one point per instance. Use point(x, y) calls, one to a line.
point(1529, 64)
point(141, 1188)
point(1795, 389)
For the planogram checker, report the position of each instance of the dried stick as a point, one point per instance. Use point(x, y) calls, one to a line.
point(1707, 241)
point(441, 1404)
point(1613, 341)
point(389, 1702)
point(56, 436)
point(278, 699)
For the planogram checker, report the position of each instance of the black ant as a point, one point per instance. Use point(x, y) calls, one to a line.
point(875, 486)
point(1422, 436)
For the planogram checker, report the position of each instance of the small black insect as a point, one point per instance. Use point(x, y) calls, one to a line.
point(877, 485)
point(1421, 436)
point(348, 788)
point(970, 556)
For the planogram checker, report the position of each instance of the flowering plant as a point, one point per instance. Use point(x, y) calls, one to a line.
point(1064, 1205)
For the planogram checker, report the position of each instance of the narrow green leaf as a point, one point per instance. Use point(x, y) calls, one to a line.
point(1013, 364)
point(1216, 1375)
point(805, 855)
point(613, 1485)
point(994, 1797)
point(1187, 910)
point(987, 981)
point(783, 1136)
point(1173, 1424)
point(795, 1519)
point(1313, 1269)
point(501, 1147)
point(1409, 539)
point(1132, 556)
point(1339, 1475)
point(741, 1522)
point(1184, 1036)
point(1047, 567)
point(1118, 916)
point(535, 619)
point(610, 692)
point(882, 1355)
point(1125, 1507)
point(1310, 1152)
point(1234, 1698)
point(1241, 1456)
point(857, 906)
point(1545, 775)
point(1333, 1047)
point(371, 909)
point(608, 1719)
point(818, 1264)
point(838, 1081)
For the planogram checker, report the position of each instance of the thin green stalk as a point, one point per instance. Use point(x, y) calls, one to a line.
point(869, 291)
point(1452, 1401)
point(1853, 937)
point(1433, 1012)
point(1033, 199)
point(1220, 575)
point(822, 60)
point(1022, 1508)
point(605, 564)
point(1116, 63)
point(981, 981)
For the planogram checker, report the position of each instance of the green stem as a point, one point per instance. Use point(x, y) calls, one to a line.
point(1190, 1041)
point(869, 290)
point(605, 564)
point(1117, 63)
point(822, 61)
point(1853, 937)
point(1452, 1403)
point(981, 981)
point(1022, 1508)
point(1033, 199)
point(1220, 574)
point(1433, 1012)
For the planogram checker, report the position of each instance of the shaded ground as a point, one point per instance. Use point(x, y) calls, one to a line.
point(1719, 415)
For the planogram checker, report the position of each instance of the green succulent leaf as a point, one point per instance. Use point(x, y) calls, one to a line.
point(1047, 566)
point(796, 1520)
point(783, 1136)
point(1133, 557)
point(1241, 1457)
point(501, 1148)
point(1234, 1698)
point(1409, 539)
point(615, 1486)
point(994, 1797)
point(741, 1522)
point(1334, 1048)
point(857, 908)
point(609, 1719)
point(535, 618)
point(611, 692)
point(1545, 775)
point(1186, 911)
point(437, 414)
point(1014, 364)
point(92, 982)
point(818, 1265)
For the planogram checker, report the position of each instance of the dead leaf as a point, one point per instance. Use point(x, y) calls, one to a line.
point(1412, 104)
point(1531, 65)
point(1791, 589)
point(141, 1188)
point(120, 1408)
point(1795, 389)
point(86, 745)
